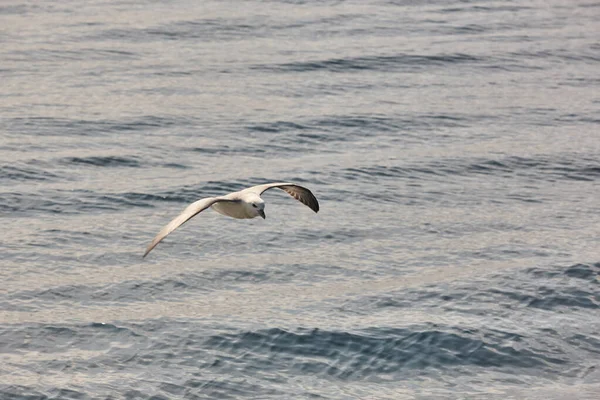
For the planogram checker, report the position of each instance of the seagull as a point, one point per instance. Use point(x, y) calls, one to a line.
point(241, 205)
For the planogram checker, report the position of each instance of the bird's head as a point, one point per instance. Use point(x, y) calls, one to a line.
point(256, 207)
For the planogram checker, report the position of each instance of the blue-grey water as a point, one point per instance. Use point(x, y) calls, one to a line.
point(454, 147)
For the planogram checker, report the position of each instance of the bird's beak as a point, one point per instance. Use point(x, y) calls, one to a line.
point(262, 213)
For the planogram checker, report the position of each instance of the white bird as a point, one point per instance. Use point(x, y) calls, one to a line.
point(243, 204)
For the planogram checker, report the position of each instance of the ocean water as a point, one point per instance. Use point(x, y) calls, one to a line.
point(454, 147)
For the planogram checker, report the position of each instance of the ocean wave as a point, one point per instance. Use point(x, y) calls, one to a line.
point(63, 337)
point(378, 353)
point(573, 287)
point(586, 272)
point(296, 135)
point(562, 55)
point(88, 127)
point(372, 63)
point(24, 173)
point(484, 9)
point(107, 161)
point(71, 202)
point(538, 168)
point(20, 392)
point(165, 288)
point(206, 29)
point(80, 201)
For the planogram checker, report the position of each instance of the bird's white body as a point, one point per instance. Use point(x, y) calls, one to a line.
point(244, 204)
point(232, 210)
point(241, 207)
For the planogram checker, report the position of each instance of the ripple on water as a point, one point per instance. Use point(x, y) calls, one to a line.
point(402, 62)
point(570, 288)
point(108, 161)
point(19, 172)
point(536, 168)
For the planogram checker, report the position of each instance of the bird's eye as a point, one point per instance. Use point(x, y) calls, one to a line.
point(254, 205)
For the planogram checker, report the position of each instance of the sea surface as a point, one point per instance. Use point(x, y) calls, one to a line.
point(454, 147)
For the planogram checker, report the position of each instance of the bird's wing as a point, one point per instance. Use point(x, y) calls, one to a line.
point(300, 193)
point(189, 212)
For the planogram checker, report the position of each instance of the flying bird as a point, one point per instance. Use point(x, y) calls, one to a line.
point(244, 204)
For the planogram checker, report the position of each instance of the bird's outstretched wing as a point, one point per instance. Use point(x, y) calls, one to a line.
point(300, 193)
point(189, 212)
